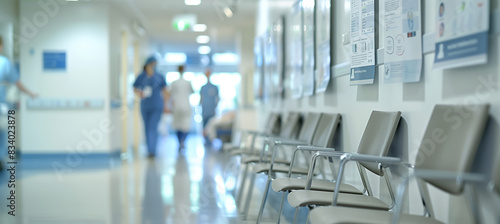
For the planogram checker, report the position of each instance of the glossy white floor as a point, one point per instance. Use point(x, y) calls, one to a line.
point(194, 186)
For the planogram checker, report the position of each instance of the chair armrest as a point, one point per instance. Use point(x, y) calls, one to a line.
point(314, 148)
point(313, 159)
point(259, 134)
point(432, 174)
point(276, 141)
point(281, 141)
point(346, 157)
point(382, 160)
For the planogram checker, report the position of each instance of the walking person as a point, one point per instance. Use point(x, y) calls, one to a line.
point(180, 91)
point(151, 87)
point(8, 75)
point(209, 99)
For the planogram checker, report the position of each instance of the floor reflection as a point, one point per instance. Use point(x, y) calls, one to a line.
point(153, 208)
point(185, 187)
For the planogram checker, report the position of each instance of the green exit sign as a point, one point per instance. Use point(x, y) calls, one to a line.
point(182, 25)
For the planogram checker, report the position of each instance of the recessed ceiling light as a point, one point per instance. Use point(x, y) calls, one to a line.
point(199, 27)
point(228, 12)
point(204, 49)
point(225, 58)
point(202, 39)
point(192, 2)
point(176, 58)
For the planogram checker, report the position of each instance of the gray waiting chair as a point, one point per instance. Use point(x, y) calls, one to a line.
point(288, 131)
point(376, 140)
point(305, 137)
point(270, 129)
point(445, 156)
point(323, 136)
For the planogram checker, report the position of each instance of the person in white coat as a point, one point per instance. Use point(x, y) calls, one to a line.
point(180, 90)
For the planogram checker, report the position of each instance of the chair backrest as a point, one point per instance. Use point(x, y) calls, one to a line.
point(309, 127)
point(451, 141)
point(290, 126)
point(273, 123)
point(378, 135)
point(326, 130)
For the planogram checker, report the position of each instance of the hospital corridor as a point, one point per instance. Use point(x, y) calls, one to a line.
point(249, 111)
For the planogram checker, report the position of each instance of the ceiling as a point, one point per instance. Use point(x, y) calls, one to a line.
point(156, 17)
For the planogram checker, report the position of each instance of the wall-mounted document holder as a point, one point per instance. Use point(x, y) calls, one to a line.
point(428, 45)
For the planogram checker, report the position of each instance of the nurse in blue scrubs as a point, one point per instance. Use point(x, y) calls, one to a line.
point(8, 75)
point(151, 87)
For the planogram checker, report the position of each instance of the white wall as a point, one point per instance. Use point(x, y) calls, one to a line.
point(81, 30)
point(415, 100)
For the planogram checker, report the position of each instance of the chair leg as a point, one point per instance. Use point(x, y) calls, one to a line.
point(296, 214)
point(246, 208)
point(281, 206)
point(264, 199)
point(242, 187)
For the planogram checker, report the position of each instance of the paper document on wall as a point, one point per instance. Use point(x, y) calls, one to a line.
point(403, 41)
point(294, 51)
point(322, 71)
point(362, 42)
point(308, 23)
point(462, 29)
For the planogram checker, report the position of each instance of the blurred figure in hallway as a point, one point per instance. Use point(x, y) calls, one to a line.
point(209, 99)
point(8, 75)
point(151, 87)
point(180, 91)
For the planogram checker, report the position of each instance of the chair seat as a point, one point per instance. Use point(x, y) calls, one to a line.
point(337, 215)
point(286, 184)
point(278, 168)
point(307, 197)
point(254, 159)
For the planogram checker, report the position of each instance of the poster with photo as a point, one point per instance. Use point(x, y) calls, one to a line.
point(462, 29)
point(403, 41)
point(322, 72)
point(277, 36)
point(362, 42)
point(308, 24)
point(269, 65)
point(258, 78)
point(294, 50)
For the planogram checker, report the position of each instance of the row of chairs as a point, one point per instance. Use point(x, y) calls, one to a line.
point(444, 160)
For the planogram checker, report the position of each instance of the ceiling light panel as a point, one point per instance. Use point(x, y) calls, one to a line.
point(199, 27)
point(192, 2)
point(204, 50)
point(202, 39)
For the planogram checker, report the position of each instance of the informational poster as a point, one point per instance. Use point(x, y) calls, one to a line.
point(275, 50)
point(269, 66)
point(403, 41)
point(278, 37)
point(308, 11)
point(362, 42)
point(294, 50)
point(258, 78)
point(462, 33)
point(323, 16)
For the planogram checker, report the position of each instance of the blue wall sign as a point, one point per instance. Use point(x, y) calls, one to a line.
point(54, 60)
